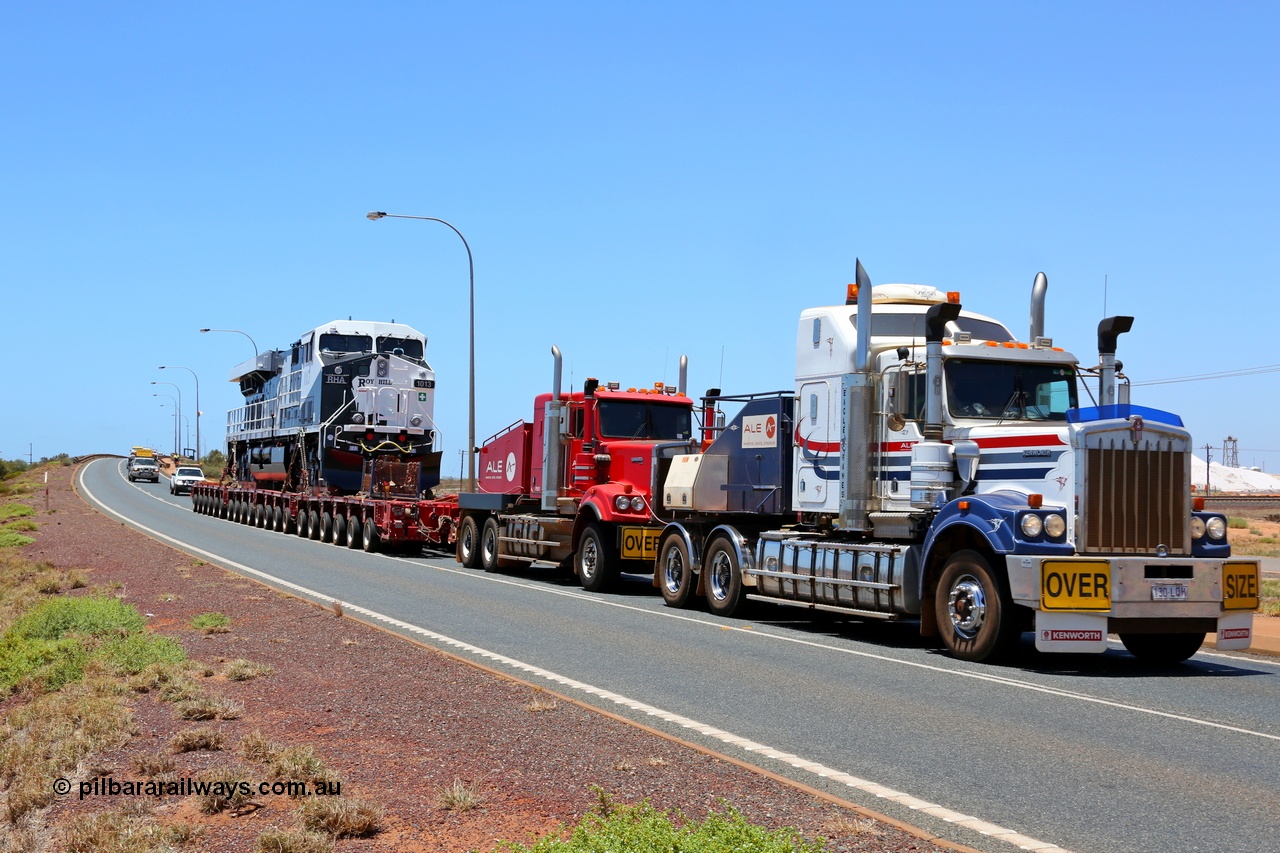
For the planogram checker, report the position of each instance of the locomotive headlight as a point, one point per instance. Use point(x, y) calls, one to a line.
point(382, 367)
point(637, 504)
point(416, 420)
point(1217, 528)
point(1197, 528)
point(357, 418)
point(1055, 525)
point(622, 502)
point(1032, 525)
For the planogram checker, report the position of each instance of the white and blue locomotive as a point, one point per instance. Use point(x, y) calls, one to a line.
point(319, 414)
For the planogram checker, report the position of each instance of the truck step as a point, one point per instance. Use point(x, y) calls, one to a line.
point(809, 605)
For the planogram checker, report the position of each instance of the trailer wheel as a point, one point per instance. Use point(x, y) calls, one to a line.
point(313, 524)
point(277, 519)
point(469, 543)
point(326, 526)
point(597, 559)
point(675, 575)
point(260, 516)
point(339, 530)
point(369, 537)
point(1162, 649)
point(288, 526)
point(975, 614)
point(723, 577)
point(300, 523)
point(354, 533)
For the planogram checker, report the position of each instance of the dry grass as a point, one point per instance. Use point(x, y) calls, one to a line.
point(301, 764)
point(459, 796)
point(128, 829)
point(193, 740)
point(843, 826)
point(340, 817)
point(540, 702)
point(210, 708)
point(257, 747)
point(152, 764)
point(292, 841)
point(230, 791)
point(243, 670)
point(1254, 535)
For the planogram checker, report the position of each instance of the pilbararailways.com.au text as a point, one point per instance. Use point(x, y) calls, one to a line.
point(108, 786)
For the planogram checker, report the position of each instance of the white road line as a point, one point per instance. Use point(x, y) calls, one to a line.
point(951, 816)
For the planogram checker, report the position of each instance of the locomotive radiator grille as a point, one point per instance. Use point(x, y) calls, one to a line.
point(1135, 498)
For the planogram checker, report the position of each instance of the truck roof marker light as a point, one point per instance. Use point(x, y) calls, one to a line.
point(953, 296)
point(993, 343)
point(1035, 501)
point(851, 294)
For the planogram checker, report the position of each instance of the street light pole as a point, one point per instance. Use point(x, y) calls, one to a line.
point(175, 387)
point(238, 332)
point(197, 379)
point(375, 215)
point(177, 436)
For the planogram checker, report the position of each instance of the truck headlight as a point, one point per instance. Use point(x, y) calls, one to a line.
point(622, 502)
point(1032, 525)
point(1055, 525)
point(1217, 528)
point(1197, 528)
point(357, 418)
point(637, 504)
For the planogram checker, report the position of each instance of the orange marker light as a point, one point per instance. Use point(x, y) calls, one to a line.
point(953, 296)
point(1035, 501)
point(1197, 504)
point(850, 294)
point(964, 506)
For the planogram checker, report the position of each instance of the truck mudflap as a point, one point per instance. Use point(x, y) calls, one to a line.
point(1077, 598)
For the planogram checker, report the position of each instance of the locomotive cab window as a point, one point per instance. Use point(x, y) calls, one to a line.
point(333, 345)
point(407, 347)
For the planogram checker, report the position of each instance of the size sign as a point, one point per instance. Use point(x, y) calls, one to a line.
point(1075, 585)
point(1240, 586)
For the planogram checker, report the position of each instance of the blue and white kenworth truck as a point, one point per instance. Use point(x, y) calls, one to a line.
point(929, 466)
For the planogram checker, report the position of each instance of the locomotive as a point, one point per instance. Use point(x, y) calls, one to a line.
point(345, 409)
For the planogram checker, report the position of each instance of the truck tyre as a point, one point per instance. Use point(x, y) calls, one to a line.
point(723, 577)
point(975, 615)
point(597, 559)
point(675, 575)
point(259, 516)
point(313, 524)
point(277, 519)
point(326, 526)
point(355, 535)
point(490, 560)
point(369, 536)
point(339, 537)
point(1162, 649)
point(469, 543)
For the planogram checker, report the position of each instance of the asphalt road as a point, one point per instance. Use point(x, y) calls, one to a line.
point(1089, 752)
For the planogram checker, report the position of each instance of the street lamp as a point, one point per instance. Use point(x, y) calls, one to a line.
point(375, 215)
point(179, 390)
point(197, 379)
point(238, 332)
point(177, 438)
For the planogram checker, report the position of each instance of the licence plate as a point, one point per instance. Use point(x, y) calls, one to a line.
point(1169, 592)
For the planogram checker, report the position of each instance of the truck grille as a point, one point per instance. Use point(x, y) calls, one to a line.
point(1135, 498)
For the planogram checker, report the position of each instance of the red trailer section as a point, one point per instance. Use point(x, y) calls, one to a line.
point(386, 515)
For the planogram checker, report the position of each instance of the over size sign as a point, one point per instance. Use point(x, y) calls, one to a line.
point(1075, 585)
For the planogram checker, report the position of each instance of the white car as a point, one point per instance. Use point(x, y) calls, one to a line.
point(184, 478)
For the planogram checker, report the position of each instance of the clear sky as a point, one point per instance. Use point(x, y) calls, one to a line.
point(637, 181)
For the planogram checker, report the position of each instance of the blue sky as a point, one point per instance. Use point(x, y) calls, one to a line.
point(637, 181)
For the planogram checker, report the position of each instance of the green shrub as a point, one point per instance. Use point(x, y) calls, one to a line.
point(132, 654)
point(97, 616)
point(9, 539)
point(22, 525)
point(212, 623)
point(15, 510)
point(643, 827)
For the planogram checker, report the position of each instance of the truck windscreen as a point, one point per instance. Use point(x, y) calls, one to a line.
point(1010, 390)
point(645, 420)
